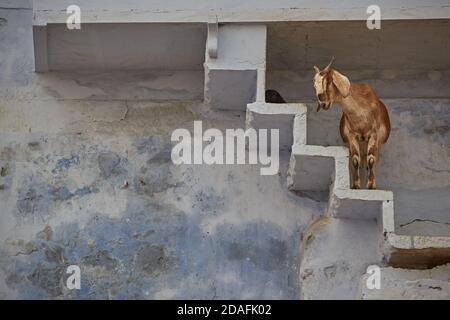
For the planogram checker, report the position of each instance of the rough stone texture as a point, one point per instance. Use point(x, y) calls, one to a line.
point(402, 284)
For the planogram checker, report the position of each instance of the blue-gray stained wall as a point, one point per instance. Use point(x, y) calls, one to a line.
point(86, 179)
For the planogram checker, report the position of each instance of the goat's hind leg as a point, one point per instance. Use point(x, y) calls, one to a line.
point(372, 159)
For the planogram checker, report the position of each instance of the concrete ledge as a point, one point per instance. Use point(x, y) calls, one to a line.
point(100, 11)
point(261, 115)
point(417, 242)
point(277, 108)
point(358, 204)
point(320, 151)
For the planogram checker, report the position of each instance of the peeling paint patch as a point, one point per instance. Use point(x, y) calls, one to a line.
point(33, 203)
point(269, 255)
point(108, 163)
point(63, 193)
point(66, 163)
point(152, 259)
point(49, 279)
point(101, 258)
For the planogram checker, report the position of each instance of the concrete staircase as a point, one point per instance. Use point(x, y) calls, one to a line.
point(316, 168)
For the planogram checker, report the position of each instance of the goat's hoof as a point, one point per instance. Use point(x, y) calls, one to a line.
point(371, 185)
point(356, 186)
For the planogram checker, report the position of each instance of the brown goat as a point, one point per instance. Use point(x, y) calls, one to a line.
point(365, 124)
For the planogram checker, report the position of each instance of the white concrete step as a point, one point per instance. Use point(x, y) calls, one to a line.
point(235, 65)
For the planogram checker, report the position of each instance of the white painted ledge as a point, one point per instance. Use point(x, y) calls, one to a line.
point(138, 11)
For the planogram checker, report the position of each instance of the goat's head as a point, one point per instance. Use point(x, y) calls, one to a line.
point(330, 86)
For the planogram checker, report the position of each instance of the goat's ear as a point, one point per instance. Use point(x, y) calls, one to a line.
point(316, 69)
point(342, 83)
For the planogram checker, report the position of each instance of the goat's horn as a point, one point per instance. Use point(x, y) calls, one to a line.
point(329, 65)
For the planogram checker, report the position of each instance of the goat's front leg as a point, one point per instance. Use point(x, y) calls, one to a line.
point(372, 159)
point(355, 161)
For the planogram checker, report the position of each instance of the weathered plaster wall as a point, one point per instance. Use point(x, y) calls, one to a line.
point(87, 179)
